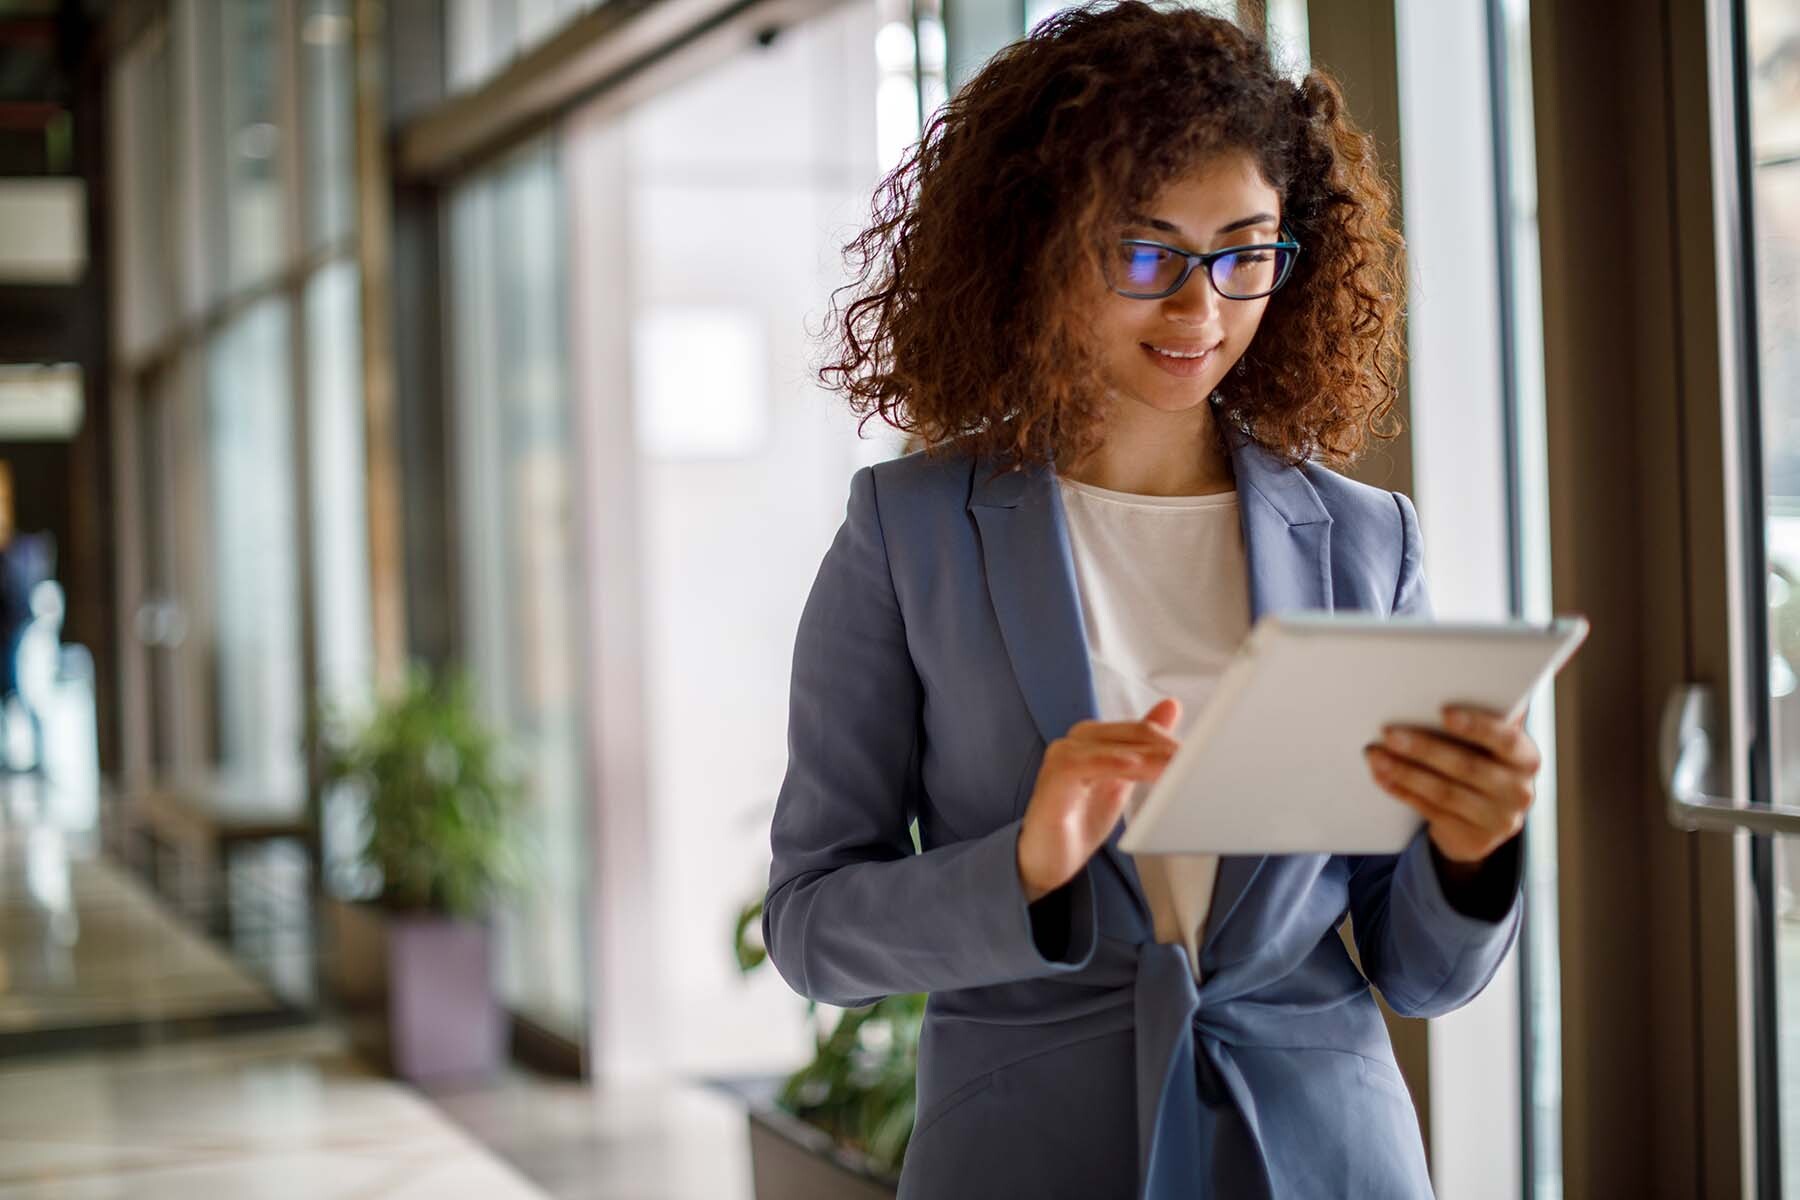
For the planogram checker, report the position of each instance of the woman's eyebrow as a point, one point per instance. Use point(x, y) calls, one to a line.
point(1243, 223)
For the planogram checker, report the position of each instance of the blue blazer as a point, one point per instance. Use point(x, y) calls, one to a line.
point(1065, 1052)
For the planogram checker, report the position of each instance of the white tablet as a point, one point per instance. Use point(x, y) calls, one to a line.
point(1273, 764)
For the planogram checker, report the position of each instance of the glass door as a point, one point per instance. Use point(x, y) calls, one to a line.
point(520, 558)
point(1770, 99)
point(1747, 786)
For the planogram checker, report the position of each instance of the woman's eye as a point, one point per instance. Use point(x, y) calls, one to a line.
point(1248, 260)
point(1143, 262)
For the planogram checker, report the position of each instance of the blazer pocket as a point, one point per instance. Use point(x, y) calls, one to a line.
point(950, 1103)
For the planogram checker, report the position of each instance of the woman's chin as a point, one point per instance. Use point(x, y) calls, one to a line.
point(1159, 392)
point(1174, 398)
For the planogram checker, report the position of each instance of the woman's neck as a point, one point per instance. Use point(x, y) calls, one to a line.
point(1149, 452)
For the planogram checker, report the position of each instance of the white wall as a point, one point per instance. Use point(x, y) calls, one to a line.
point(733, 195)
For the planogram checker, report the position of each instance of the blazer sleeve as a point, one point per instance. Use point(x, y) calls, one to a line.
point(853, 913)
point(1429, 953)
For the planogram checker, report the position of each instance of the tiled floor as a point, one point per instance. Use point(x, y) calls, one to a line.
point(84, 943)
point(651, 1142)
point(267, 1117)
point(85, 947)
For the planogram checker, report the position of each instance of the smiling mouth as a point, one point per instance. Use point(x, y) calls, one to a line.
point(1180, 355)
point(1183, 364)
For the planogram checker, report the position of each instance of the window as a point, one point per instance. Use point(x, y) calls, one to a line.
point(329, 170)
point(520, 554)
point(258, 698)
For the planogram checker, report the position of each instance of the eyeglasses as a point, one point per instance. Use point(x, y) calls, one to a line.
point(1145, 270)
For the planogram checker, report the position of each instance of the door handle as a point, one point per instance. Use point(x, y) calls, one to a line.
point(1684, 747)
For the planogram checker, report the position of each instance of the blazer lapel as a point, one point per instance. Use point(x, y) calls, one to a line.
point(1031, 578)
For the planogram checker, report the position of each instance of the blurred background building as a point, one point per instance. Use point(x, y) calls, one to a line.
point(340, 337)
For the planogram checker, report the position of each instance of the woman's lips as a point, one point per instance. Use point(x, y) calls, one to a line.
point(1181, 368)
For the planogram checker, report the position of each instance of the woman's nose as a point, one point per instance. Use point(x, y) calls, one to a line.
point(1195, 301)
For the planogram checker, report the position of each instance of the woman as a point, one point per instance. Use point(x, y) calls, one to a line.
point(1135, 292)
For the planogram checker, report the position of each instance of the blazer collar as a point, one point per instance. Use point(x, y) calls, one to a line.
point(1031, 579)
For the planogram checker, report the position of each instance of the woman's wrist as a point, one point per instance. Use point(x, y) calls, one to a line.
point(1035, 889)
point(1482, 889)
point(1033, 892)
point(1453, 873)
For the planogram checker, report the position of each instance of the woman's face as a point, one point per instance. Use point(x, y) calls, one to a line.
point(1147, 345)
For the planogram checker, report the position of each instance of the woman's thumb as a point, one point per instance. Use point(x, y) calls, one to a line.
point(1164, 712)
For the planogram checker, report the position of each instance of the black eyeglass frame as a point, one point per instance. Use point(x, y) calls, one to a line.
point(1196, 259)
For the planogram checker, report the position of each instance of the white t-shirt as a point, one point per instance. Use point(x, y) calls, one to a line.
point(1165, 599)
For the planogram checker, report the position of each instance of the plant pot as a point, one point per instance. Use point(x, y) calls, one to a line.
point(417, 992)
point(792, 1160)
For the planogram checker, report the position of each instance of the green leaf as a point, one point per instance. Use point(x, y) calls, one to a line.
point(746, 940)
point(440, 809)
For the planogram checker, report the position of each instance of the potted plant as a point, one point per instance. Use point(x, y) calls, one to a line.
point(438, 834)
point(839, 1125)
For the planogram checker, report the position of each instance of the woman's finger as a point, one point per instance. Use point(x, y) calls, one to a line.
point(1449, 795)
point(1459, 840)
point(1505, 740)
point(1144, 751)
point(1125, 732)
point(1101, 760)
point(1474, 768)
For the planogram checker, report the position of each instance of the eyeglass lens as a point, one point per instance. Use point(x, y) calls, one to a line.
point(1242, 275)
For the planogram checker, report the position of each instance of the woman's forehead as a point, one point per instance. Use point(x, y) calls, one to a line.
point(1206, 198)
point(1263, 219)
point(1227, 179)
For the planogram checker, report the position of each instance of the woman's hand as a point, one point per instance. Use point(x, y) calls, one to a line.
point(1081, 792)
point(1472, 784)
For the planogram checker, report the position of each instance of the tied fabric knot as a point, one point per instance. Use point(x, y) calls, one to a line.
point(1196, 1121)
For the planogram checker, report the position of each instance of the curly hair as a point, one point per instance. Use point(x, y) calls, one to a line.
point(960, 325)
